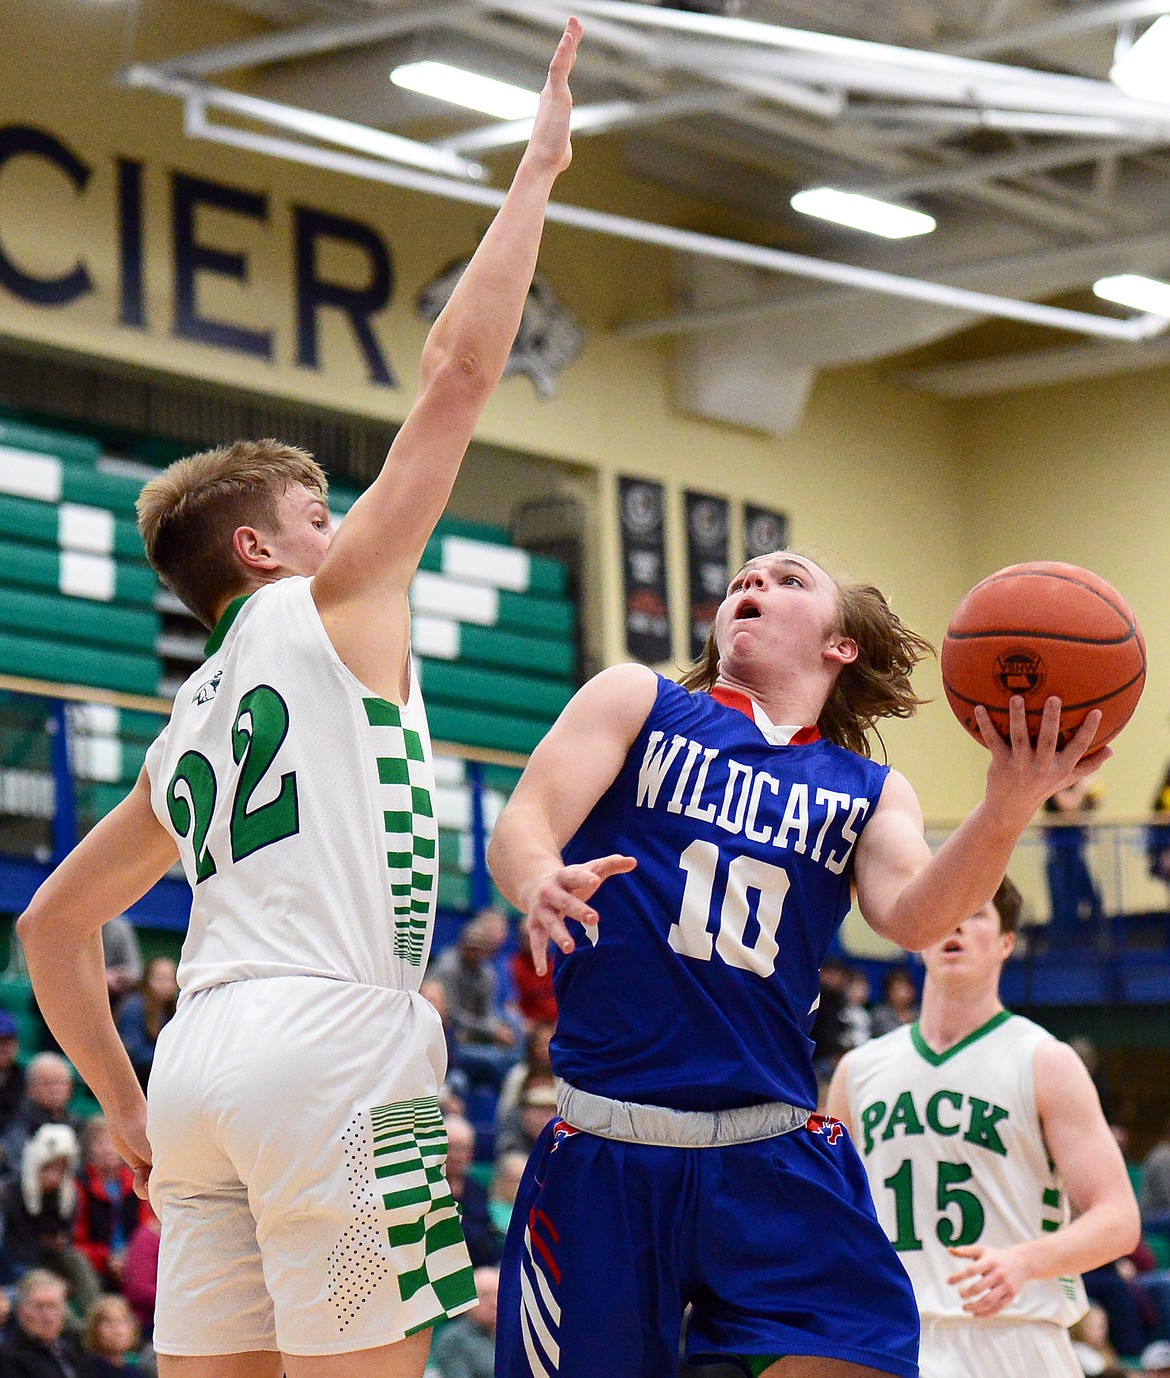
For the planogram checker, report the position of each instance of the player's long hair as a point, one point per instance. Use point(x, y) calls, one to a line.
point(876, 685)
point(188, 515)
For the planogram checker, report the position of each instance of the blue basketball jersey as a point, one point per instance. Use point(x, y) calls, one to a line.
point(696, 989)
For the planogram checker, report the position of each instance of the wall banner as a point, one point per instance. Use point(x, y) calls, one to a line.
point(764, 530)
point(647, 615)
point(707, 575)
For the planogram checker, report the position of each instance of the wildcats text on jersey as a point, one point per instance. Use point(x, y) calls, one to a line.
point(676, 773)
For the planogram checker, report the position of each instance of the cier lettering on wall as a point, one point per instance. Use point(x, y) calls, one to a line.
point(197, 260)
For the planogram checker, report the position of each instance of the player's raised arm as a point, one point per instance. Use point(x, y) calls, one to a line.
point(915, 899)
point(565, 777)
point(375, 554)
point(1090, 1167)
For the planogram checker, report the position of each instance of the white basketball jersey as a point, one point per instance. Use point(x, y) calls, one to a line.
point(302, 805)
point(955, 1155)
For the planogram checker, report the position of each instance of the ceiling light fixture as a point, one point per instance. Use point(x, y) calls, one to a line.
point(1131, 289)
point(862, 213)
point(469, 89)
point(1141, 70)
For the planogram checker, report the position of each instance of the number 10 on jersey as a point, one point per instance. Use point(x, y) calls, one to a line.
point(690, 934)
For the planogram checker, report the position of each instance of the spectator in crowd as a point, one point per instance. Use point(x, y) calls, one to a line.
point(1110, 1289)
point(111, 1338)
point(1090, 1342)
point(37, 1346)
point(11, 1072)
point(1158, 834)
point(521, 1127)
point(536, 1059)
point(1073, 894)
point(140, 1275)
point(505, 1184)
point(108, 1211)
point(1086, 1050)
point(1154, 1192)
point(1156, 1358)
point(48, 1089)
point(145, 1011)
point(453, 1092)
point(466, 1348)
point(536, 1001)
point(899, 1002)
point(39, 1209)
point(469, 1195)
point(487, 1042)
point(123, 959)
point(856, 1021)
point(828, 1031)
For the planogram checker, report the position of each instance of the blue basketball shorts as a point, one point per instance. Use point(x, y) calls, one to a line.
point(774, 1245)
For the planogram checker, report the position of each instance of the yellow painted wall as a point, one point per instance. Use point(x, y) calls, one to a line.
point(1081, 472)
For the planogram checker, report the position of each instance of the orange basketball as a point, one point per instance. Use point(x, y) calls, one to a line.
point(1040, 629)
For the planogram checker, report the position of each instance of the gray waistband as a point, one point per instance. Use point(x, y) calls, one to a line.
point(654, 1124)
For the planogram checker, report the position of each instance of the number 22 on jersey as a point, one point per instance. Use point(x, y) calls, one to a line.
point(259, 728)
point(690, 935)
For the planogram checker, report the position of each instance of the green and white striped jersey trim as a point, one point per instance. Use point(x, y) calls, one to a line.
point(404, 790)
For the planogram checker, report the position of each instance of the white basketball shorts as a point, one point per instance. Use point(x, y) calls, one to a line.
point(299, 1170)
point(996, 1349)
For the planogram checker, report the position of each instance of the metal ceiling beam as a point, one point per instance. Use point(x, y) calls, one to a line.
point(601, 118)
point(1081, 262)
point(311, 40)
point(1038, 368)
point(308, 123)
point(686, 241)
point(1076, 21)
point(1007, 165)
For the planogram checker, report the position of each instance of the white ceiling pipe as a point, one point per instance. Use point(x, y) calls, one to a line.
point(1022, 121)
point(1037, 368)
point(311, 40)
point(327, 128)
point(688, 241)
point(1063, 26)
point(1080, 263)
point(752, 33)
point(854, 64)
point(595, 119)
point(1019, 89)
point(983, 169)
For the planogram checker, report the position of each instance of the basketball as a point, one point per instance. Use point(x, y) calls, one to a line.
point(1040, 629)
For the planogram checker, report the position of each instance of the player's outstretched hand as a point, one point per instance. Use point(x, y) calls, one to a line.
point(564, 894)
point(1021, 776)
point(993, 1279)
point(548, 144)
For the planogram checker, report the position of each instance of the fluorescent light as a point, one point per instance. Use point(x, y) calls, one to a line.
point(468, 89)
point(862, 213)
point(1131, 289)
point(1141, 71)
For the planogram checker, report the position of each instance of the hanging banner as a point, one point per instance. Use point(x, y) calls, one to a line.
point(642, 504)
point(764, 530)
point(707, 576)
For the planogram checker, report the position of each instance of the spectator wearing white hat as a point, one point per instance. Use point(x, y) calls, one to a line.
point(38, 1210)
point(1156, 1358)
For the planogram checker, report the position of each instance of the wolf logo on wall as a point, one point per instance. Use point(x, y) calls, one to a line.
point(549, 337)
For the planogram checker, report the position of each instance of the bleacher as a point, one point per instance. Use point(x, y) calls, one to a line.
point(494, 637)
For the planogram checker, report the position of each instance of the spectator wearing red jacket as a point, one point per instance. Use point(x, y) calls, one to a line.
point(535, 998)
point(108, 1212)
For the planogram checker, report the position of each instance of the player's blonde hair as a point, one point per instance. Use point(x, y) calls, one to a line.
point(874, 686)
point(189, 514)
